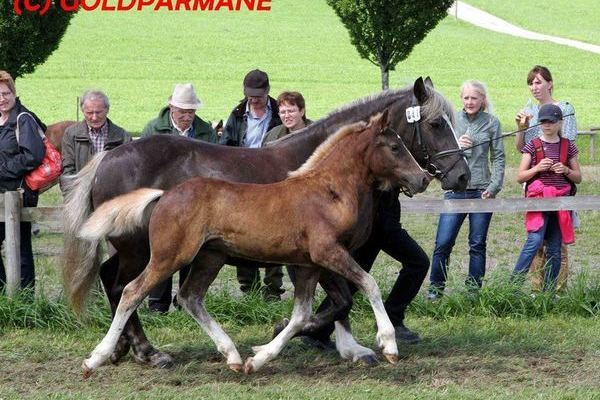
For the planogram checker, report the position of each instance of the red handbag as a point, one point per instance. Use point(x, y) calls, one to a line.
point(47, 173)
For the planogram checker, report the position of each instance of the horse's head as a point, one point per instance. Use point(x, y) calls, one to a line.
point(424, 120)
point(390, 161)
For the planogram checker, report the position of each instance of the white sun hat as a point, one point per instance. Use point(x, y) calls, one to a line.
point(184, 96)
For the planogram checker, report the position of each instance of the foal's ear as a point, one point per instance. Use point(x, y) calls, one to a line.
point(384, 121)
point(428, 82)
point(420, 91)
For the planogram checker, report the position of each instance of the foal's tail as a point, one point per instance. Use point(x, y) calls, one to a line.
point(81, 258)
point(119, 216)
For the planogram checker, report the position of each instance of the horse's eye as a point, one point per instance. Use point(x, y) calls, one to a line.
point(394, 148)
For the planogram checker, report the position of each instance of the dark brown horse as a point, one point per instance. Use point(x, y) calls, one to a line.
point(163, 161)
point(311, 219)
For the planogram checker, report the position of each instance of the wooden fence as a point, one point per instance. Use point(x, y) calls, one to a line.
point(14, 213)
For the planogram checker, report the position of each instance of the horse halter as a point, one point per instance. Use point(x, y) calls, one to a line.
point(413, 116)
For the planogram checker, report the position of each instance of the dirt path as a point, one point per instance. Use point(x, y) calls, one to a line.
point(485, 20)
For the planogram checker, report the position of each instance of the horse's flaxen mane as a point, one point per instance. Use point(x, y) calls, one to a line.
point(327, 147)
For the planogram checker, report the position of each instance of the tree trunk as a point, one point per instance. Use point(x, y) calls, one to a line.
point(385, 77)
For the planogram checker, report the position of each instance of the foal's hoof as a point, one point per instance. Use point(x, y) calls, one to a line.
point(235, 367)
point(249, 366)
point(392, 358)
point(86, 371)
point(368, 359)
point(280, 326)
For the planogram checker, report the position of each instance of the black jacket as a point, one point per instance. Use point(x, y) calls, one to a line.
point(16, 159)
point(235, 129)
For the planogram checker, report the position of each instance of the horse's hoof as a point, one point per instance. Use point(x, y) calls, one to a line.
point(249, 366)
point(161, 360)
point(86, 371)
point(392, 358)
point(235, 367)
point(368, 359)
point(280, 326)
point(121, 350)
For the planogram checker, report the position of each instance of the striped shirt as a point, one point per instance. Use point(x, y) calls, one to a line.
point(551, 151)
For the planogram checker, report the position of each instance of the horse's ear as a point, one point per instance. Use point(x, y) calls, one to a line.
point(428, 82)
point(420, 91)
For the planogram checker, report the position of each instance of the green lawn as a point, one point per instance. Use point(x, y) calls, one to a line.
point(138, 57)
point(460, 358)
point(573, 19)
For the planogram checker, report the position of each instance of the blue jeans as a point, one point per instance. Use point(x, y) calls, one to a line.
point(448, 228)
point(550, 232)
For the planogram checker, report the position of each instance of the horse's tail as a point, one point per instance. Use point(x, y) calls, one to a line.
point(81, 259)
point(119, 216)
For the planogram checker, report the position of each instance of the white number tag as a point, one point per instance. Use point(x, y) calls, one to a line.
point(413, 114)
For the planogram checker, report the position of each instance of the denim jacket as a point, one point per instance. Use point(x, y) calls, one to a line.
point(486, 161)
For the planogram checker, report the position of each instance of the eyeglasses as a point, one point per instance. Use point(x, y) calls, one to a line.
point(549, 122)
point(285, 112)
point(6, 95)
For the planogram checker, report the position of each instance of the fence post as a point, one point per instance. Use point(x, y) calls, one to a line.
point(12, 241)
point(594, 130)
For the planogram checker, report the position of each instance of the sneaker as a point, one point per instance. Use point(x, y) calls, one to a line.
point(433, 295)
point(405, 335)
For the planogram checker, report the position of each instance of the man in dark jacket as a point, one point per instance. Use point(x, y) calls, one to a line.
point(94, 134)
point(247, 126)
point(177, 118)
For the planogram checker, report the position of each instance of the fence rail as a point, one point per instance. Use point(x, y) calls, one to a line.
point(13, 213)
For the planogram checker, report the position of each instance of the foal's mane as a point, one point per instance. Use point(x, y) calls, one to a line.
point(327, 147)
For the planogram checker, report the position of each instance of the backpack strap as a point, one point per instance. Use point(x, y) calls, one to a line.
point(539, 151)
point(564, 151)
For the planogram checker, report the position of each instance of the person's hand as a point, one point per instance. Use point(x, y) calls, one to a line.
point(544, 165)
point(487, 195)
point(522, 119)
point(465, 141)
point(559, 168)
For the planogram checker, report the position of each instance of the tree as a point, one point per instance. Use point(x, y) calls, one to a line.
point(385, 31)
point(27, 40)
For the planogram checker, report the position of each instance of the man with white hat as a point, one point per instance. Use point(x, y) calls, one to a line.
point(179, 117)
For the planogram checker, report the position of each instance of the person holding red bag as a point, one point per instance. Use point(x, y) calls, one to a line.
point(16, 160)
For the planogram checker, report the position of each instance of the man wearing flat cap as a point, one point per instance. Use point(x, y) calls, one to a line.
point(246, 126)
point(179, 117)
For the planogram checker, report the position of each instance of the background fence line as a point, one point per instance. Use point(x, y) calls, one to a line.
point(14, 213)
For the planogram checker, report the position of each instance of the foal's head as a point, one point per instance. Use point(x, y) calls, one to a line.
point(389, 161)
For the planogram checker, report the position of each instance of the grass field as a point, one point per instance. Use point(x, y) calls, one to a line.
point(564, 18)
point(500, 345)
point(138, 57)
